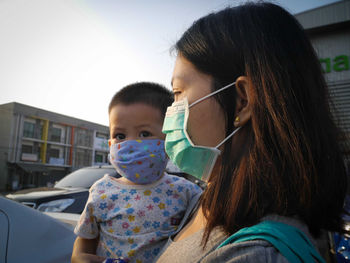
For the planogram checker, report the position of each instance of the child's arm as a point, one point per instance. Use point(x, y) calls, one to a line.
point(84, 251)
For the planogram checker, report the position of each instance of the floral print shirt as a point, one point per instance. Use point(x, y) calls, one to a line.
point(134, 221)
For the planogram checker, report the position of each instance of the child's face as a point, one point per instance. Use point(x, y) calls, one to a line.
point(135, 121)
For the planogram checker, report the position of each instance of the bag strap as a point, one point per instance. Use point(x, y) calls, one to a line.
point(292, 243)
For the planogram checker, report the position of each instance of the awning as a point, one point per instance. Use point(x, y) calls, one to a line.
point(38, 167)
point(33, 167)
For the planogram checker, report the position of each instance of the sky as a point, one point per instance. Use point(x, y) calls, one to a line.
point(71, 57)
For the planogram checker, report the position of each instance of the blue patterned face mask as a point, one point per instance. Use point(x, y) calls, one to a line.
point(140, 161)
point(193, 159)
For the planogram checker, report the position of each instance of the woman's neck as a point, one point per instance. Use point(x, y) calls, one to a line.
point(196, 224)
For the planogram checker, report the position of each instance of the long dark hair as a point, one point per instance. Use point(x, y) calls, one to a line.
point(287, 159)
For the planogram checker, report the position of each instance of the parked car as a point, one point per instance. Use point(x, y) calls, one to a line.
point(27, 235)
point(69, 195)
point(69, 219)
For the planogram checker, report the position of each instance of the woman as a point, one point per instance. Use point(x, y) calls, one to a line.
point(248, 85)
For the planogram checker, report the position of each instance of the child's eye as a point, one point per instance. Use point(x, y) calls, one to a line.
point(145, 134)
point(119, 136)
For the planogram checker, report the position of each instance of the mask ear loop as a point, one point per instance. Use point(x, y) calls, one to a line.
point(228, 137)
point(211, 94)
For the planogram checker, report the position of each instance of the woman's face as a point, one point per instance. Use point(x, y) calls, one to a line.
point(206, 122)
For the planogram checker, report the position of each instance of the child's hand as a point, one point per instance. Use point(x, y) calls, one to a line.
point(87, 258)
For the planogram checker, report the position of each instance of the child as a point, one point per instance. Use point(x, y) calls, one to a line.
point(131, 217)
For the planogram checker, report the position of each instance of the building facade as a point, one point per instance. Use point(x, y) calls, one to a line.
point(328, 28)
point(39, 147)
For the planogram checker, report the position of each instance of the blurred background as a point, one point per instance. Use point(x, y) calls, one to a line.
point(61, 62)
point(70, 57)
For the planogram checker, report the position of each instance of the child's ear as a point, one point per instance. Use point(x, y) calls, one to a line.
point(109, 143)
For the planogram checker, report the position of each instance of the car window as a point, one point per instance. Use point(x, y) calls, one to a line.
point(84, 177)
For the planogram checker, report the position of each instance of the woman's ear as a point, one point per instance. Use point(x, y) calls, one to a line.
point(243, 109)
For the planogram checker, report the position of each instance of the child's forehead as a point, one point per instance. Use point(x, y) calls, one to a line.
point(135, 112)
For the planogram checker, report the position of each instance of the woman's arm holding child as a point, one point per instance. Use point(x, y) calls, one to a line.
point(84, 251)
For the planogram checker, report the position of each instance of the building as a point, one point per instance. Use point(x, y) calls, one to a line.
point(39, 147)
point(328, 28)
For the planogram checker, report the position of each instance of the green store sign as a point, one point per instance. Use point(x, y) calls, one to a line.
point(337, 64)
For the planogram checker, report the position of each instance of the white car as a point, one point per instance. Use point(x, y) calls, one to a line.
point(69, 219)
point(28, 235)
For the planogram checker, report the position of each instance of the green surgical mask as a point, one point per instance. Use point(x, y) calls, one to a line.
point(193, 159)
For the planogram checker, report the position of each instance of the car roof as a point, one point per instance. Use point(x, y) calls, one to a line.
point(99, 167)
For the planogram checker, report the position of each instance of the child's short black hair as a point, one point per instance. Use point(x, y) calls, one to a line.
point(149, 93)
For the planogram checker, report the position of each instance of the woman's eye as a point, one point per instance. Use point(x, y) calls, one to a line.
point(119, 136)
point(176, 93)
point(144, 134)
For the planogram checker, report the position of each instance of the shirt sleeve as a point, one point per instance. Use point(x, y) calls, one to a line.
point(193, 190)
point(196, 190)
point(87, 226)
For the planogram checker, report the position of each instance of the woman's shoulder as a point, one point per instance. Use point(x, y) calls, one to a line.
point(258, 250)
point(247, 251)
point(191, 248)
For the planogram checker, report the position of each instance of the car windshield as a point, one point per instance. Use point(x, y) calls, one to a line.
point(84, 177)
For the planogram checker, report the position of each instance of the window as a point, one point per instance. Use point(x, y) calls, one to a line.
point(82, 157)
point(98, 158)
point(101, 135)
point(27, 149)
point(56, 134)
point(28, 129)
point(29, 153)
point(55, 153)
point(83, 137)
point(101, 157)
